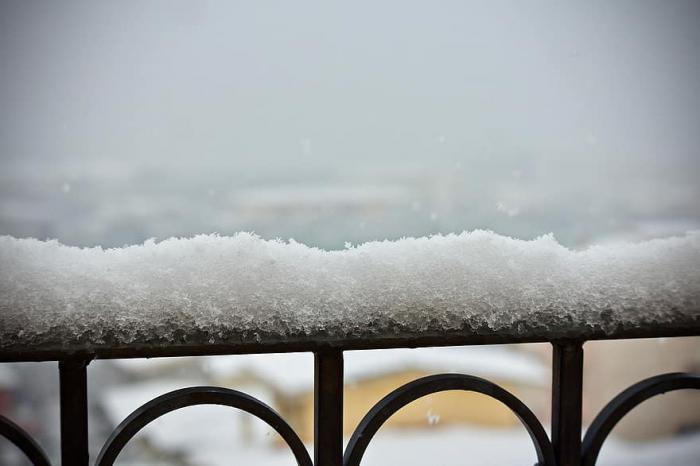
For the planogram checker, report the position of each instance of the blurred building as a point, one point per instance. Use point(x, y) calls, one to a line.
point(610, 366)
point(370, 375)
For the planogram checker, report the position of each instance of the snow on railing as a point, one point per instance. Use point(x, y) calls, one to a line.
point(243, 292)
point(212, 294)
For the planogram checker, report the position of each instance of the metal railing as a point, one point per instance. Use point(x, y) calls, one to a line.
point(565, 448)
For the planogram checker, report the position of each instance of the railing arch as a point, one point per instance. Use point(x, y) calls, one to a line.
point(627, 400)
point(23, 441)
point(419, 388)
point(199, 396)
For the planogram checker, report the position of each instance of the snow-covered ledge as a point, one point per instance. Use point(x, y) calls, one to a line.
point(212, 294)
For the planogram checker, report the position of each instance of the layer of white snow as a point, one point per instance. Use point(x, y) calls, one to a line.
point(218, 289)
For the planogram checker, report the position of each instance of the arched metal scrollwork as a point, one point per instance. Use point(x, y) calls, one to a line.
point(623, 403)
point(198, 396)
point(419, 388)
point(22, 440)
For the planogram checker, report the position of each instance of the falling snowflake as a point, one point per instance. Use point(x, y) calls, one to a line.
point(432, 418)
point(506, 209)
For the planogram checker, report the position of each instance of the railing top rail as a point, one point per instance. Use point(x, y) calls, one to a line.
point(57, 346)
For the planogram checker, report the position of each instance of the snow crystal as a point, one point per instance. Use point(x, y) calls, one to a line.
point(432, 418)
point(228, 290)
point(506, 209)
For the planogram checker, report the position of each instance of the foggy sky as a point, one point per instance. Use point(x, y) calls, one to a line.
point(601, 96)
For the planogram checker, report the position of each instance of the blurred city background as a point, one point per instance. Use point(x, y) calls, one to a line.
point(342, 123)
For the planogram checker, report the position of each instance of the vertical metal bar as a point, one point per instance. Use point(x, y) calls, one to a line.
point(74, 414)
point(328, 407)
point(567, 385)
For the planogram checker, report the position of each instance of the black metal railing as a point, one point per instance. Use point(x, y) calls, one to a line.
point(565, 448)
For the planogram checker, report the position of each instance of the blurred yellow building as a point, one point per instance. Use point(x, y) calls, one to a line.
point(371, 375)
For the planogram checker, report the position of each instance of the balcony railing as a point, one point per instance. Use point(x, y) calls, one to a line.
point(212, 295)
point(564, 448)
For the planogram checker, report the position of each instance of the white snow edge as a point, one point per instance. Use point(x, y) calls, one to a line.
point(217, 285)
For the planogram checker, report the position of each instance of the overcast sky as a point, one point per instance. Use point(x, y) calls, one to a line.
point(599, 95)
